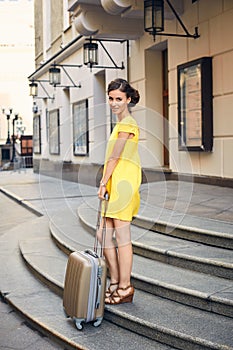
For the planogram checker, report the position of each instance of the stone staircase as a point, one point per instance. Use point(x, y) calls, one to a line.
point(184, 288)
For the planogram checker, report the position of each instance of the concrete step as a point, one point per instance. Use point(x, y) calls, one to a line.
point(43, 309)
point(166, 207)
point(182, 326)
point(193, 288)
point(179, 252)
point(151, 316)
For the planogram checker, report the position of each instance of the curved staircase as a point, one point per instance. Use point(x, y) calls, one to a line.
point(184, 287)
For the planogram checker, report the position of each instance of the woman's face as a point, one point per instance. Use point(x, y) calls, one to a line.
point(118, 102)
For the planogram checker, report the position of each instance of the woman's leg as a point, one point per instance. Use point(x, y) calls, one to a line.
point(110, 251)
point(125, 251)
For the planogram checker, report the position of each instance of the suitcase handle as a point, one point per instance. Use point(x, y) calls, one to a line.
point(98, 294)
point(90, 252)
point(98, 226)
point(99, 287)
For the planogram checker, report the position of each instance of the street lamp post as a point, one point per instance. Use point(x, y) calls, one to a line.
point(13, 151)
point(8, 140)
point(8, 116)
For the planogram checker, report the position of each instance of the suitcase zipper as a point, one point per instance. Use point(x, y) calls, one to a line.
point(99, 275)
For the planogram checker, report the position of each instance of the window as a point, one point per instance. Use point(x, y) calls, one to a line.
point(26, 145)
point(80, 128)
point(54, 134)
point(5, 154)
point(36, 135)
point(67, 16)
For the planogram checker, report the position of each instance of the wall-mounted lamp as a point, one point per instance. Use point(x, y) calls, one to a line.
point(154, 19)
point(90, 54)
point(34, 89)
point(55, 75)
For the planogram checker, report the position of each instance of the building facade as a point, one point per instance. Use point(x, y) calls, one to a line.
point(185, 84)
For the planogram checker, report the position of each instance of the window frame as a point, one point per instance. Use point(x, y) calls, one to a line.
point(37, 134)
point(54, 132)
point(80, 128)
point(195, 105)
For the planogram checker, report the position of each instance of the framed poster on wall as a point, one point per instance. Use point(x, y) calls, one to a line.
point(195, 105)
point(80, 128)
point(54, 133)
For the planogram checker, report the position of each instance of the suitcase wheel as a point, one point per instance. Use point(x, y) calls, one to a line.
point(98, 321)
point(78, 324)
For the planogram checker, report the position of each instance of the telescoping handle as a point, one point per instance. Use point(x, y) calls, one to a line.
point(102, 241)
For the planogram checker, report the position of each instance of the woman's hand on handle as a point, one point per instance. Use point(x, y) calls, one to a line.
point(102, 192)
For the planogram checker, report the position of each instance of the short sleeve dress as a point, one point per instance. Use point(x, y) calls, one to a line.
point(123, 185)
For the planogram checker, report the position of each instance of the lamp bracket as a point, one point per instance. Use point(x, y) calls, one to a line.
point(115, 66)
point(40, 81)
point(48, 97)
point(68, 75)
point(186, 35)
point(69, 65)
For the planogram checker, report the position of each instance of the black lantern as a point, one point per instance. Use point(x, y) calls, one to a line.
point(54, 76)
point(90, 53)
point(33, 89)
point(154, 19)
point(154, 16)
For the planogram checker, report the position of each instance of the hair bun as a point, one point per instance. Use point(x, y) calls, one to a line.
point(124, 86)
point(135, 97)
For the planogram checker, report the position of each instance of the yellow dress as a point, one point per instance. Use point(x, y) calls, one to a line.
point(123, 185)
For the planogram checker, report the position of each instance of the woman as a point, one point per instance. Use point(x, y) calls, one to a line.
point(121, 180)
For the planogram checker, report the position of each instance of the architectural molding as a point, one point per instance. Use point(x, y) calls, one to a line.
point(116, 7)
point(93, 20)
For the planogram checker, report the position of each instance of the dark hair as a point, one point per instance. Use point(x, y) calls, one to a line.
point(124, 86)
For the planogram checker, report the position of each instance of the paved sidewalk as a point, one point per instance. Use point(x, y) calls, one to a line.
point(204, 201)
point(196, 203)
point(17, 334)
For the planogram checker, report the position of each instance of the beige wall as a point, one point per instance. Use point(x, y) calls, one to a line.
point(57, 23)
point(38, 22)
point(214, 19)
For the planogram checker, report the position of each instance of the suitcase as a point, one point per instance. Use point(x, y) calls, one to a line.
point(85, 283)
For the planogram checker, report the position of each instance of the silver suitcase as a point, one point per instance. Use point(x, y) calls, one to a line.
point(85, 283)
